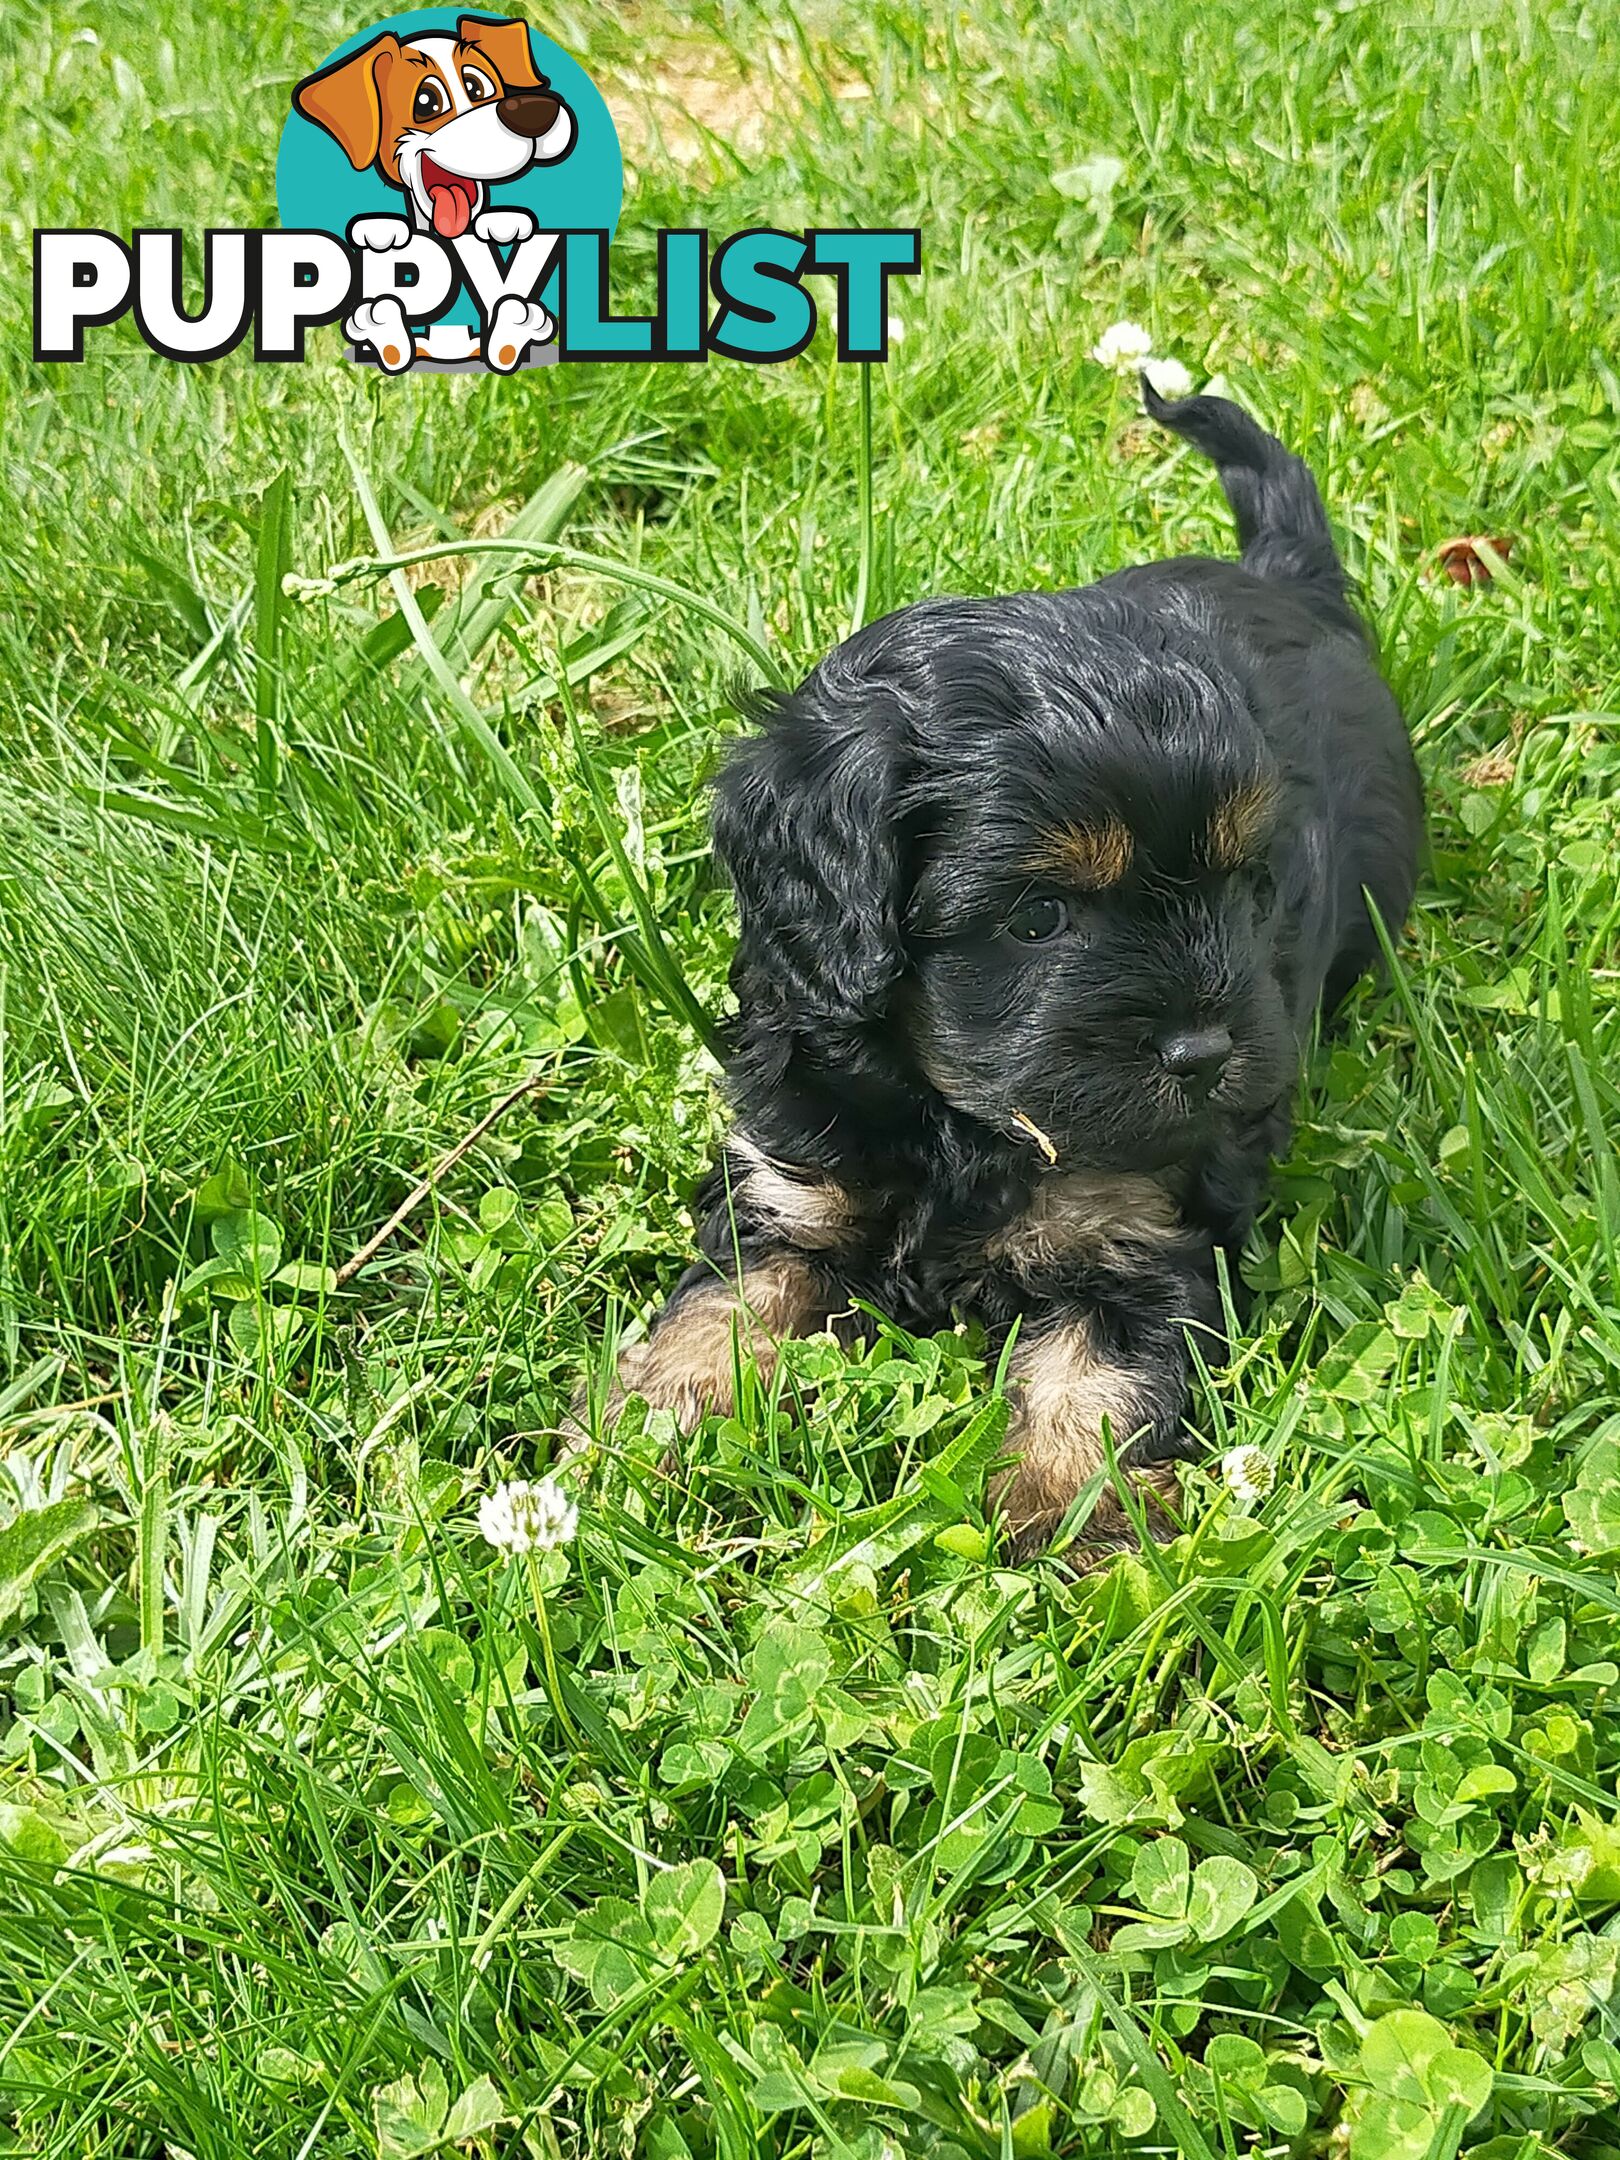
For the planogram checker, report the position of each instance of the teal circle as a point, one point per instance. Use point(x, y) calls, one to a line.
point(318, 190)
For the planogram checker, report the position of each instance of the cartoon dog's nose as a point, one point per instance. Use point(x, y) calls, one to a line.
point(529, 112)
point(1196, 1056)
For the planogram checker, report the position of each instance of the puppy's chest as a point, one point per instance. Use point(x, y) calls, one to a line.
point(923, 1256)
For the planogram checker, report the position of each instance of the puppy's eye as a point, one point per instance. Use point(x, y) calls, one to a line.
point(477, 85)
point(429, 101)
point(1037, 920)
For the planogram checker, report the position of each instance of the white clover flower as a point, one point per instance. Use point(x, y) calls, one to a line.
point(518, 1517)
point(897, 330)
point(1168, 377)
point(1248, 1475)
point(1122, 345)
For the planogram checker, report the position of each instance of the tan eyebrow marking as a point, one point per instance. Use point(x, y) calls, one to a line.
point(1241, 824)
point(1090, 856)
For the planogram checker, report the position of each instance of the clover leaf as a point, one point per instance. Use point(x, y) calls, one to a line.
point(617, 1947)
point(684, 1907)
point(1199, 1904)
point(415, 2116)
point(789, 1668)
point(1416, 2077)
point(1593, 1502)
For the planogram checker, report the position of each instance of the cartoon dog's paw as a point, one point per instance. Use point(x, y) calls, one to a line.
point(504, 228)
point(379, 234)
point(515, 326)
point(381, 325)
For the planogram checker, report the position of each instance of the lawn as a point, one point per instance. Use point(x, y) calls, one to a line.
point(803, 1825)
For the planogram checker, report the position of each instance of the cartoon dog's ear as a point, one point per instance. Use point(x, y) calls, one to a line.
point(346, 99)
point(505, 44)
point(806, 823)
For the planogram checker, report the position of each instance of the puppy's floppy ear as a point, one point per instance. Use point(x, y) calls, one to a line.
point(346, 99)
point(505, 44)
point(807, 825)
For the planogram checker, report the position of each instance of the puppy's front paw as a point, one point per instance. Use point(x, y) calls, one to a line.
point(504, 228)
point(381, 325)
point(1065, 1391)
point(1031, 1509)
point(686, 1381)
point(515, 326)
point(667, 1376)
point(379, 235)
point(688, 1361)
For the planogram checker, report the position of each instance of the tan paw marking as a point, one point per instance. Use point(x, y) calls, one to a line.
point(688, 1360)
point(1063, 1389)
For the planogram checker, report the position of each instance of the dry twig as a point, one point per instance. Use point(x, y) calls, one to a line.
point(447, 1162)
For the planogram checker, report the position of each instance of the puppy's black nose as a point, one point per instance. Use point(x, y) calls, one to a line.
point(1196, 1056)
point(532, 113)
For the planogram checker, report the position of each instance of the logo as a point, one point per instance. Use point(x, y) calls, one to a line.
point(455, 148)
point(449, 185)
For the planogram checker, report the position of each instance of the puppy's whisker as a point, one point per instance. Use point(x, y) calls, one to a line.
point(1027, 1125)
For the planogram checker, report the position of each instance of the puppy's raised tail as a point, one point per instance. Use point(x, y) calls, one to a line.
point(1282, 526)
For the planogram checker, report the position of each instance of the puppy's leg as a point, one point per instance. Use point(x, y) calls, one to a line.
point(774, 1234)
point(381, 325)
point(688, 1360)
point(776, 1237)
point(506, 226)
point(1065, 1387)
point(515, 326)
point(1117, 1356)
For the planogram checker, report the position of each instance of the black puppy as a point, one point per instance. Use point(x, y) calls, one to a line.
point(1038, 897)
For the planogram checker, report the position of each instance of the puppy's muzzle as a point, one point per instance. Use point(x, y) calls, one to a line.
point(529, 113)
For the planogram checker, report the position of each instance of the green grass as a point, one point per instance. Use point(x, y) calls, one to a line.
point(299, 1854)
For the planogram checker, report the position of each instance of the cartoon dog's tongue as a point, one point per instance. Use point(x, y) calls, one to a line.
point(452, 196)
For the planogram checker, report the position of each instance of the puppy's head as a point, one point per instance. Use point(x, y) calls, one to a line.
point(442, 117)
point(1021, 854)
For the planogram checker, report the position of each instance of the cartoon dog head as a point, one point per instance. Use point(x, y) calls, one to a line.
point(442, 117)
